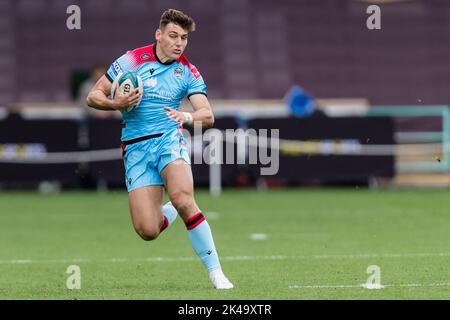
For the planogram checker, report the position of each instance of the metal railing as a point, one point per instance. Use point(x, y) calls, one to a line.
point(436, 162)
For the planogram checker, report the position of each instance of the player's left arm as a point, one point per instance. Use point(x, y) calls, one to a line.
point(202, 112)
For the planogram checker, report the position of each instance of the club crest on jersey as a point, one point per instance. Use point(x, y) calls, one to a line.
point(178, 72)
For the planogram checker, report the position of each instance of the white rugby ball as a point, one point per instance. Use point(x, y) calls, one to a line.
point(128, 81)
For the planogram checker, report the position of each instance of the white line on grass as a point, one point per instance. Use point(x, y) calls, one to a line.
point(212, 215)
point(230, 258)
point(324, 286)
point(258, 236)
point(444, 284)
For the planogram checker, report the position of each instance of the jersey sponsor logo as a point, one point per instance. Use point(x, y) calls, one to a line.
point(116, 68)
point(152, 70)
point(178, 72)
point(161, 95)
point(151, 82)
point(145, 56)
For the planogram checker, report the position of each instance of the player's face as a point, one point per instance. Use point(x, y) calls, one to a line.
point(172, 40)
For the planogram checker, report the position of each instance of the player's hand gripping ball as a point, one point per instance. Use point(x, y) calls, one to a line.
point(127, 82)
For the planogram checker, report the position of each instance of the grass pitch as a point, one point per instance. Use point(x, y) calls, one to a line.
point(315, 244)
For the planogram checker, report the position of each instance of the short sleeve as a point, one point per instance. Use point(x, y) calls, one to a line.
point(121, 65)
point(195, 83)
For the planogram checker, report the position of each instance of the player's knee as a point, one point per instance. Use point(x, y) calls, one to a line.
point(148, 233)
point(181, 200)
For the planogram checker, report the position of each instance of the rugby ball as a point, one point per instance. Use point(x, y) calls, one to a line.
point(127, 81)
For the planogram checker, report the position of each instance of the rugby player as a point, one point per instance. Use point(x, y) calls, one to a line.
point(154, 149)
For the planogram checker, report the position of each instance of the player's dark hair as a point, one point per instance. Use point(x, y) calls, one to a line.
point(177, 17)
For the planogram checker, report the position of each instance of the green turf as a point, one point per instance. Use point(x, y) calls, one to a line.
point(315, 238)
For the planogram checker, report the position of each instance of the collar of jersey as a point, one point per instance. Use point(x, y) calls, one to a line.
point(156, 57)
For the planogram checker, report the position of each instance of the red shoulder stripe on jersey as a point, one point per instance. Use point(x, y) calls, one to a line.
point(184, 61)
point(141, 55)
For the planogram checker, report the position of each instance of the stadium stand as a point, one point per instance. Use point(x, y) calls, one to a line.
point(324, 47)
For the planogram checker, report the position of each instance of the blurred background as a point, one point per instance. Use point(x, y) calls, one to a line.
point(364, 107)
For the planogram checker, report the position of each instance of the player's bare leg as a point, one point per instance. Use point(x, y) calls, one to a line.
point(148, 217)
point(179, 183)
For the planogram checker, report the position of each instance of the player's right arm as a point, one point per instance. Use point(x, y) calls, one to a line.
point(98, 97)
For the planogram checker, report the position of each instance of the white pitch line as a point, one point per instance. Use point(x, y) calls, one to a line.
point(324, 286)
point(212, 215)
point(410, 285)
point(230, 258)
point(258, 236)
point(382, 255)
